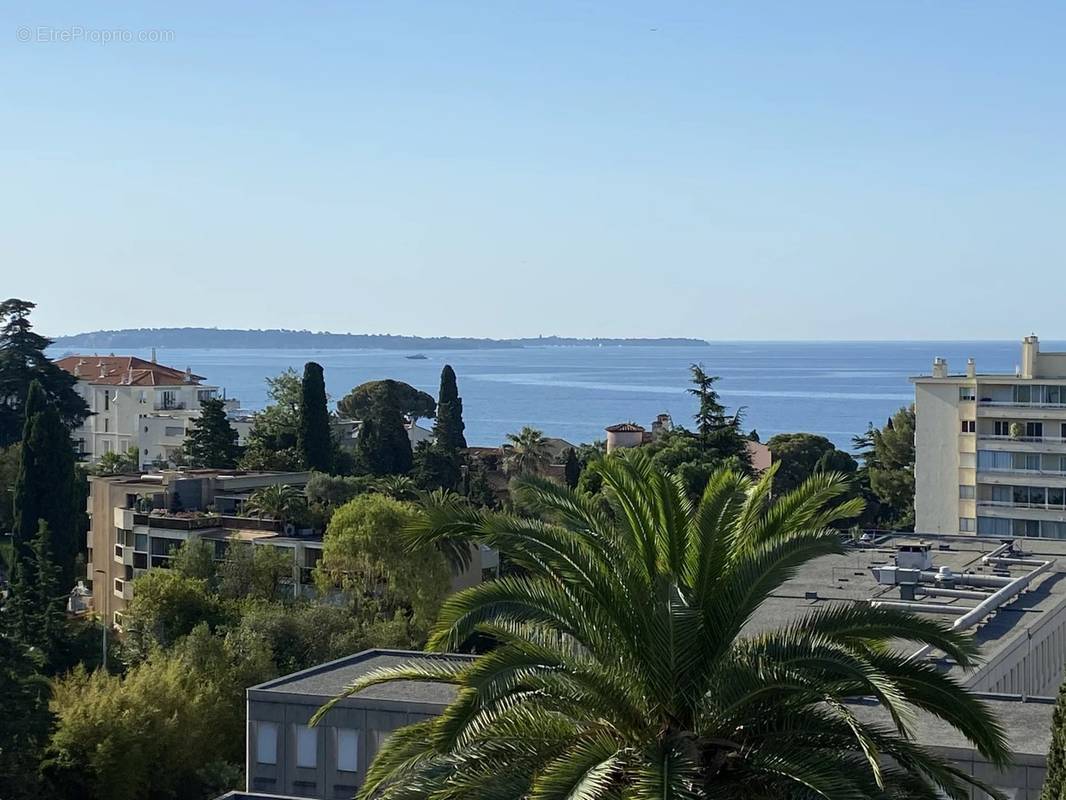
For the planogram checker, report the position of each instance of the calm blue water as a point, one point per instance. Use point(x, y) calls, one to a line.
point(833, 389)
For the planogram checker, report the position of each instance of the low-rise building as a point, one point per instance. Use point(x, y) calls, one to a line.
point(139, 404)
point(287, 756)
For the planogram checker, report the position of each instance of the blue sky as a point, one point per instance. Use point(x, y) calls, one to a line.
point(721, 170)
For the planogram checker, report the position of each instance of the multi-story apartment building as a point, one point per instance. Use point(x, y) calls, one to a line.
point(990, 449)
point(133, 528)
point(139, 404)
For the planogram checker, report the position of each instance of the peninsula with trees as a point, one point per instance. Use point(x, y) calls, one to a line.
point(281, 339)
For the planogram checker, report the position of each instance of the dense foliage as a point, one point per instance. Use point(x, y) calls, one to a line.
point(449, 426)
point(273, 440)
point(888, 469)
point(626, 667)
point(212, 442)
point(1055, 781)
point(314, 440)
point(383, 446)
point(22, 361)
point(413, 403)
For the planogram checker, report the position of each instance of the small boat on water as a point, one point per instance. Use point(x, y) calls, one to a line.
point(417, 357)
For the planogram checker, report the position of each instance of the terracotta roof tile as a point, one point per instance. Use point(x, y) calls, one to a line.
point(124, 371)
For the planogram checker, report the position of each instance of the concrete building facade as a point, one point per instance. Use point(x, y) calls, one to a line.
point(990, 449)
point(139, 404)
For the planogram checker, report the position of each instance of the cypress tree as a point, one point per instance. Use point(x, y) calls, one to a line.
point(44, 488)
point(1055, 781)
point(571, 468)
point(212, 443)
point(449, 425)
point(383, 447)
point(315, 443)
point(38, 602)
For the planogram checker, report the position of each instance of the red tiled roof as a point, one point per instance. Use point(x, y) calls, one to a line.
point(625, 427)
point(124, 371)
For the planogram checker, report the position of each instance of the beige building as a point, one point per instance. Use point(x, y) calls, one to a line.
point(139, 404)
point(990, 449)
point(133, 528)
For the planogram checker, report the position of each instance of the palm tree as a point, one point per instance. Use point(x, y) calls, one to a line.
point(526, 452)
point(398, 487)
point(277, 501)
point(626, 667)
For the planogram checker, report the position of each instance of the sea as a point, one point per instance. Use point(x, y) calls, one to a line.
point(835, 389)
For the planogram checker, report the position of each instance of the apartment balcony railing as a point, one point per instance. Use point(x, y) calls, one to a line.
point(1055, 473)
point(1025, 505)
point(995, 437)
point(169, 405)
point(984, 401)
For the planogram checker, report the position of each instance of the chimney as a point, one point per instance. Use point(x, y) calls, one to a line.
point(188, 374)
point(971, 368)
point(153, 355)
point(940, 367)
point(1030, 353)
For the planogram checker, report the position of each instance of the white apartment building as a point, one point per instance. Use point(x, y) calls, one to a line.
point(990, 449)
point(138, 403)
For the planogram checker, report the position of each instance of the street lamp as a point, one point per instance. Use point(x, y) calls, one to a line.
point(103, 619)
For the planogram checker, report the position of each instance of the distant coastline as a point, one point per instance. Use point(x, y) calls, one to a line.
point(280, 339)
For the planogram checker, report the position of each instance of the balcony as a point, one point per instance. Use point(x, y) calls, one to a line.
point(169, 405)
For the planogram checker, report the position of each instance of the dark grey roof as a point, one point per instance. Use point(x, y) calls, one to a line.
point(328, 680)
point(1027, 723)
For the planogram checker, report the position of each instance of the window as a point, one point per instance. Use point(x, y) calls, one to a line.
point(967, 524)
point(107, 400)
point(173, 430)
point(967, 460)
point(1034, 430)
point(140, 542)
point(1062, 431)
point(966, 393)
point(1022, 394)
point(306, 747)
point(966, 492)
point(1001, 427)
point(107, 425)
point(1056, 497)
point(347, 749)
point(995, 526)
point(266, 742)
point(969, 426)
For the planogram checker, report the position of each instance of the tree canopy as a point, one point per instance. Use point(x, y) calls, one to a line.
point(888, 463)
point(411, 402)
point(448, 430)
point(212, 442)
point(22, 361)
point(526, 452)
point(800, 455)
point(383, 446)
point(273, 440)
point(625, 666)
point(314, 440)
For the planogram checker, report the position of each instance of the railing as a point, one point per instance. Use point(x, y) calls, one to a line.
point(1021, 404)
point(1055, 473)
point(176, 523)
point(997, 437)
point(1012, 504)
point(174, 405)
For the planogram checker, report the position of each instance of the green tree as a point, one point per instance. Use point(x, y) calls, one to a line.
point(155, 732)
point(114, 463)
point(888, 467)
point(258, 572)
point(449, 427)
point(366, 552)
point(398, 487)
point(37, 604)
point(9, 468)
point(1055, 780)
point(44, 487)
point(383, 447)
point(25, 722)
point(710, 416)
point(23, 361)
point(571, 468)
point(166, 605)
point(435, 467)
point(314, 440)
point(331, 491)
point(195, 559)
point(273, 440)
point(625, 666)
point(526, 452)
point(212, 442)
point(413, 403)
point(278, 501)
point(800, 455)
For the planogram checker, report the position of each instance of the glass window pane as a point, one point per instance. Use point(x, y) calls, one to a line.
point(306, 747)
point(266, 742)
point(347, 750)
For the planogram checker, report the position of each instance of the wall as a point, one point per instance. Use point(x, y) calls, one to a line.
point(936, 473)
